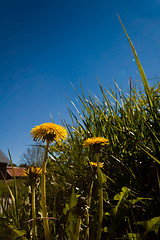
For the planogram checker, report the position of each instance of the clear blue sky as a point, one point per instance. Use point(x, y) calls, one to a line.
point(45, 45)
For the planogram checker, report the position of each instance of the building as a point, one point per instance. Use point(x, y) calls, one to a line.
point(18, 172)
point(7, 171)
point(4, 161)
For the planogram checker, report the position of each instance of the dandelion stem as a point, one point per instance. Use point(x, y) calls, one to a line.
point(89, 203)
point(43, 195)
point(34, 210)
point(100, 200)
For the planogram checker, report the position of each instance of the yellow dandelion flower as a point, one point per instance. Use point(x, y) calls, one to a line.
point(94, 164)
point(49, 131)
point(33, 172)
point(95, 141)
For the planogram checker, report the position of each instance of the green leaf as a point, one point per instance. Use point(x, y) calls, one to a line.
point(19, 232)
point(73, 200)
point(151, 225)
point(124, 193)
point(147, 89)
point(134, 201)
point(105, 229)
point(120, 197)
point(71, 219)
point(102, 177)
point(107, 214)
point(66, 208)
point(133, 236)
point(141, 71)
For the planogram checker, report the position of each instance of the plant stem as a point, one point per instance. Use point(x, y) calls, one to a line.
point(89, 203)
point(78, 226)
point(34, 210)
point(100, 200)
point(43, 195)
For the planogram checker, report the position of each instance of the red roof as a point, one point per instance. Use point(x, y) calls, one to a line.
point(18, 171)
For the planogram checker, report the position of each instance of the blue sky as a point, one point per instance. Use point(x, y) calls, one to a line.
point(46, 45)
